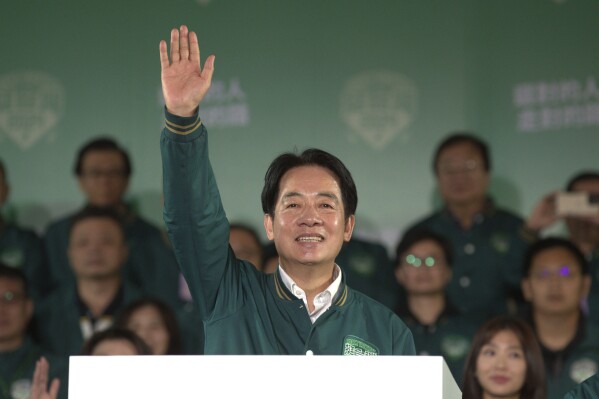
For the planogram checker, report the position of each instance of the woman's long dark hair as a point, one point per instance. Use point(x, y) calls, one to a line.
point(534, 382)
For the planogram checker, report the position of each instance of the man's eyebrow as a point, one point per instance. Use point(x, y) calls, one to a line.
point(326, 194)
point(329, 195)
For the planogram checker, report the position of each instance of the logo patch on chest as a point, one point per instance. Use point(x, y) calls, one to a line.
point(355, 346)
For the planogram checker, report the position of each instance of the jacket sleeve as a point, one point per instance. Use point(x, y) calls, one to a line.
point(194, 216)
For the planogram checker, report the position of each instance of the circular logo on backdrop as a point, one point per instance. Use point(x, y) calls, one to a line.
point(31, 103)
point(378, 106)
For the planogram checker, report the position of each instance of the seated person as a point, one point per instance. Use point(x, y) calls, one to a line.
point(423, 269)
point(18, 352)
point(97, 252)
point(103, 170)
point(154, 322)
point(582, 230)
point(555, 283)
point(20, 248)
point(487, 242)
point(504, 362)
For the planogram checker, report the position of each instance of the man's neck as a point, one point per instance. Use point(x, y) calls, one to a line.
point(97, 294)
point(427, 308)
point(465, 212)
point(555, 332)
point(11, 344)
point(312, 279)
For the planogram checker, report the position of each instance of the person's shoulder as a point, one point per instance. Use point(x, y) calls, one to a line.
point(507, 216)
point(588, 389)
point(20, 233)
point(60, 225)
point(371, 305)
point(425, 222)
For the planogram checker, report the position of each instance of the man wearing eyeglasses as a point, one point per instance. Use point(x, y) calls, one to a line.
point(103, 169)
point(18, 353)
point(556, 280)
point(423, 269)
point(487, 241)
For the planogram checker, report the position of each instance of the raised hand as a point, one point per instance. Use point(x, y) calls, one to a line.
point(39, 385)
point(184, 83)
point(544, 213)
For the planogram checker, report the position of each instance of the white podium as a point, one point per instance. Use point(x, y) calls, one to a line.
point(265, 377)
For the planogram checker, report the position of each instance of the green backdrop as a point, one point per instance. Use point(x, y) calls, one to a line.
point(378, 83)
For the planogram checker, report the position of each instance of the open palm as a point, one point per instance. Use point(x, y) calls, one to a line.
point(184, 83)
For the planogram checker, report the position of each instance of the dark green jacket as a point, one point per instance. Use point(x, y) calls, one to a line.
point(449, 336)
point(16, 371)
point(244, 310)
point(22, 249)
point(58, 320)
point(487, 264)
point(369, 270)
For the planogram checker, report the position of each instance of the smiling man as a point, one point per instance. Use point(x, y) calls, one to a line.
point(309, 201)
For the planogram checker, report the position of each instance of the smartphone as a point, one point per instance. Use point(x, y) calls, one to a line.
point(577, 203)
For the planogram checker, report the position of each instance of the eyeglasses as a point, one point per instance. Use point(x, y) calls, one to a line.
point(415, 261)
point(9, 297)
point(109, 173)
point(453, 168)
point(564, 272)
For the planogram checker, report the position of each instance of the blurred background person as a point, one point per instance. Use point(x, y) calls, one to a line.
point(423, 269)
point(556, 280)
point(504, 362)
point(154, 322)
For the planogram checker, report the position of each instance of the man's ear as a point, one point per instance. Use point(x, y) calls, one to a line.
point(350, 223)
point(268, 227)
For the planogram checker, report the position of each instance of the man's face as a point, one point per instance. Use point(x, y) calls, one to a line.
point(461, 176)
point(309, 225)
point(581, 230)
point(103, 179)
point(555, 285)
point(15, 310)
point(423, 269)
point(97, 248)
point(245, 247)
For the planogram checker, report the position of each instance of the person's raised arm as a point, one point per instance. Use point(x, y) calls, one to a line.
point(184, 83)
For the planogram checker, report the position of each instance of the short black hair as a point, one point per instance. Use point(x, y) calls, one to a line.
point(101, 144)
point(554, 242)
point(92, 212)
point(582, 176)
point(310, 157)
point(13, 273)
point(115, 333)
point(461, 138)
point(413, 237)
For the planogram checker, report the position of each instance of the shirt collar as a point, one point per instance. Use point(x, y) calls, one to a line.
point(323, 300)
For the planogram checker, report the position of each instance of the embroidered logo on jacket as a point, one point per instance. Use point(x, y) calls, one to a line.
point(354, 346)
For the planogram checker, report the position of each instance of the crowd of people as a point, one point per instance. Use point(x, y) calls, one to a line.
point(511, 310)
